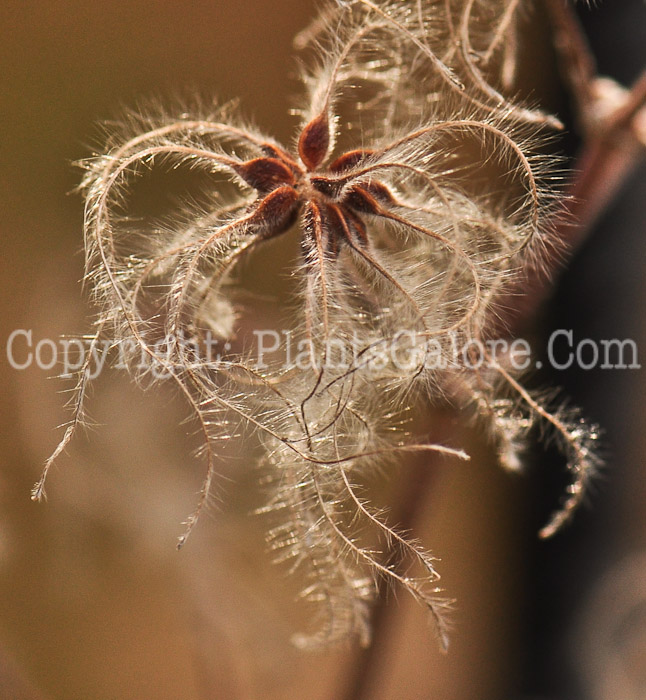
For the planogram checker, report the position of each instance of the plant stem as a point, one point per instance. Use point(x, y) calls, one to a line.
point(605, 162)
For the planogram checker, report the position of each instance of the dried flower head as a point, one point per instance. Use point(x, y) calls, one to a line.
point(418, 192)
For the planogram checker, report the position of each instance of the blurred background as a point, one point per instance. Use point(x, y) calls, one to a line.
point(95, 601)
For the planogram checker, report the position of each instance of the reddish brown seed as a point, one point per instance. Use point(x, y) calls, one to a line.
point(265, 174)
point(349, 160)
point(355, 227)
point(314, 141)
point(334, 229)
point(277, 211)
point(343, 224)
point(275, 152)
point(380, 192)
point(330, 188)
point(368, 198)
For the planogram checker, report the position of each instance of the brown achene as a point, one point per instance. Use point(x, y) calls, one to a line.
point(333, 211)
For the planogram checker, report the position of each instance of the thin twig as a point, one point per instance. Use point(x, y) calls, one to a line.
point(605, 162)
point(575, 57)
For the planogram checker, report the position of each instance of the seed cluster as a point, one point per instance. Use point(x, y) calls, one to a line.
point(419, 192)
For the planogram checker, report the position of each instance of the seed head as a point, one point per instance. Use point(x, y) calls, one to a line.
point(418, 192)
